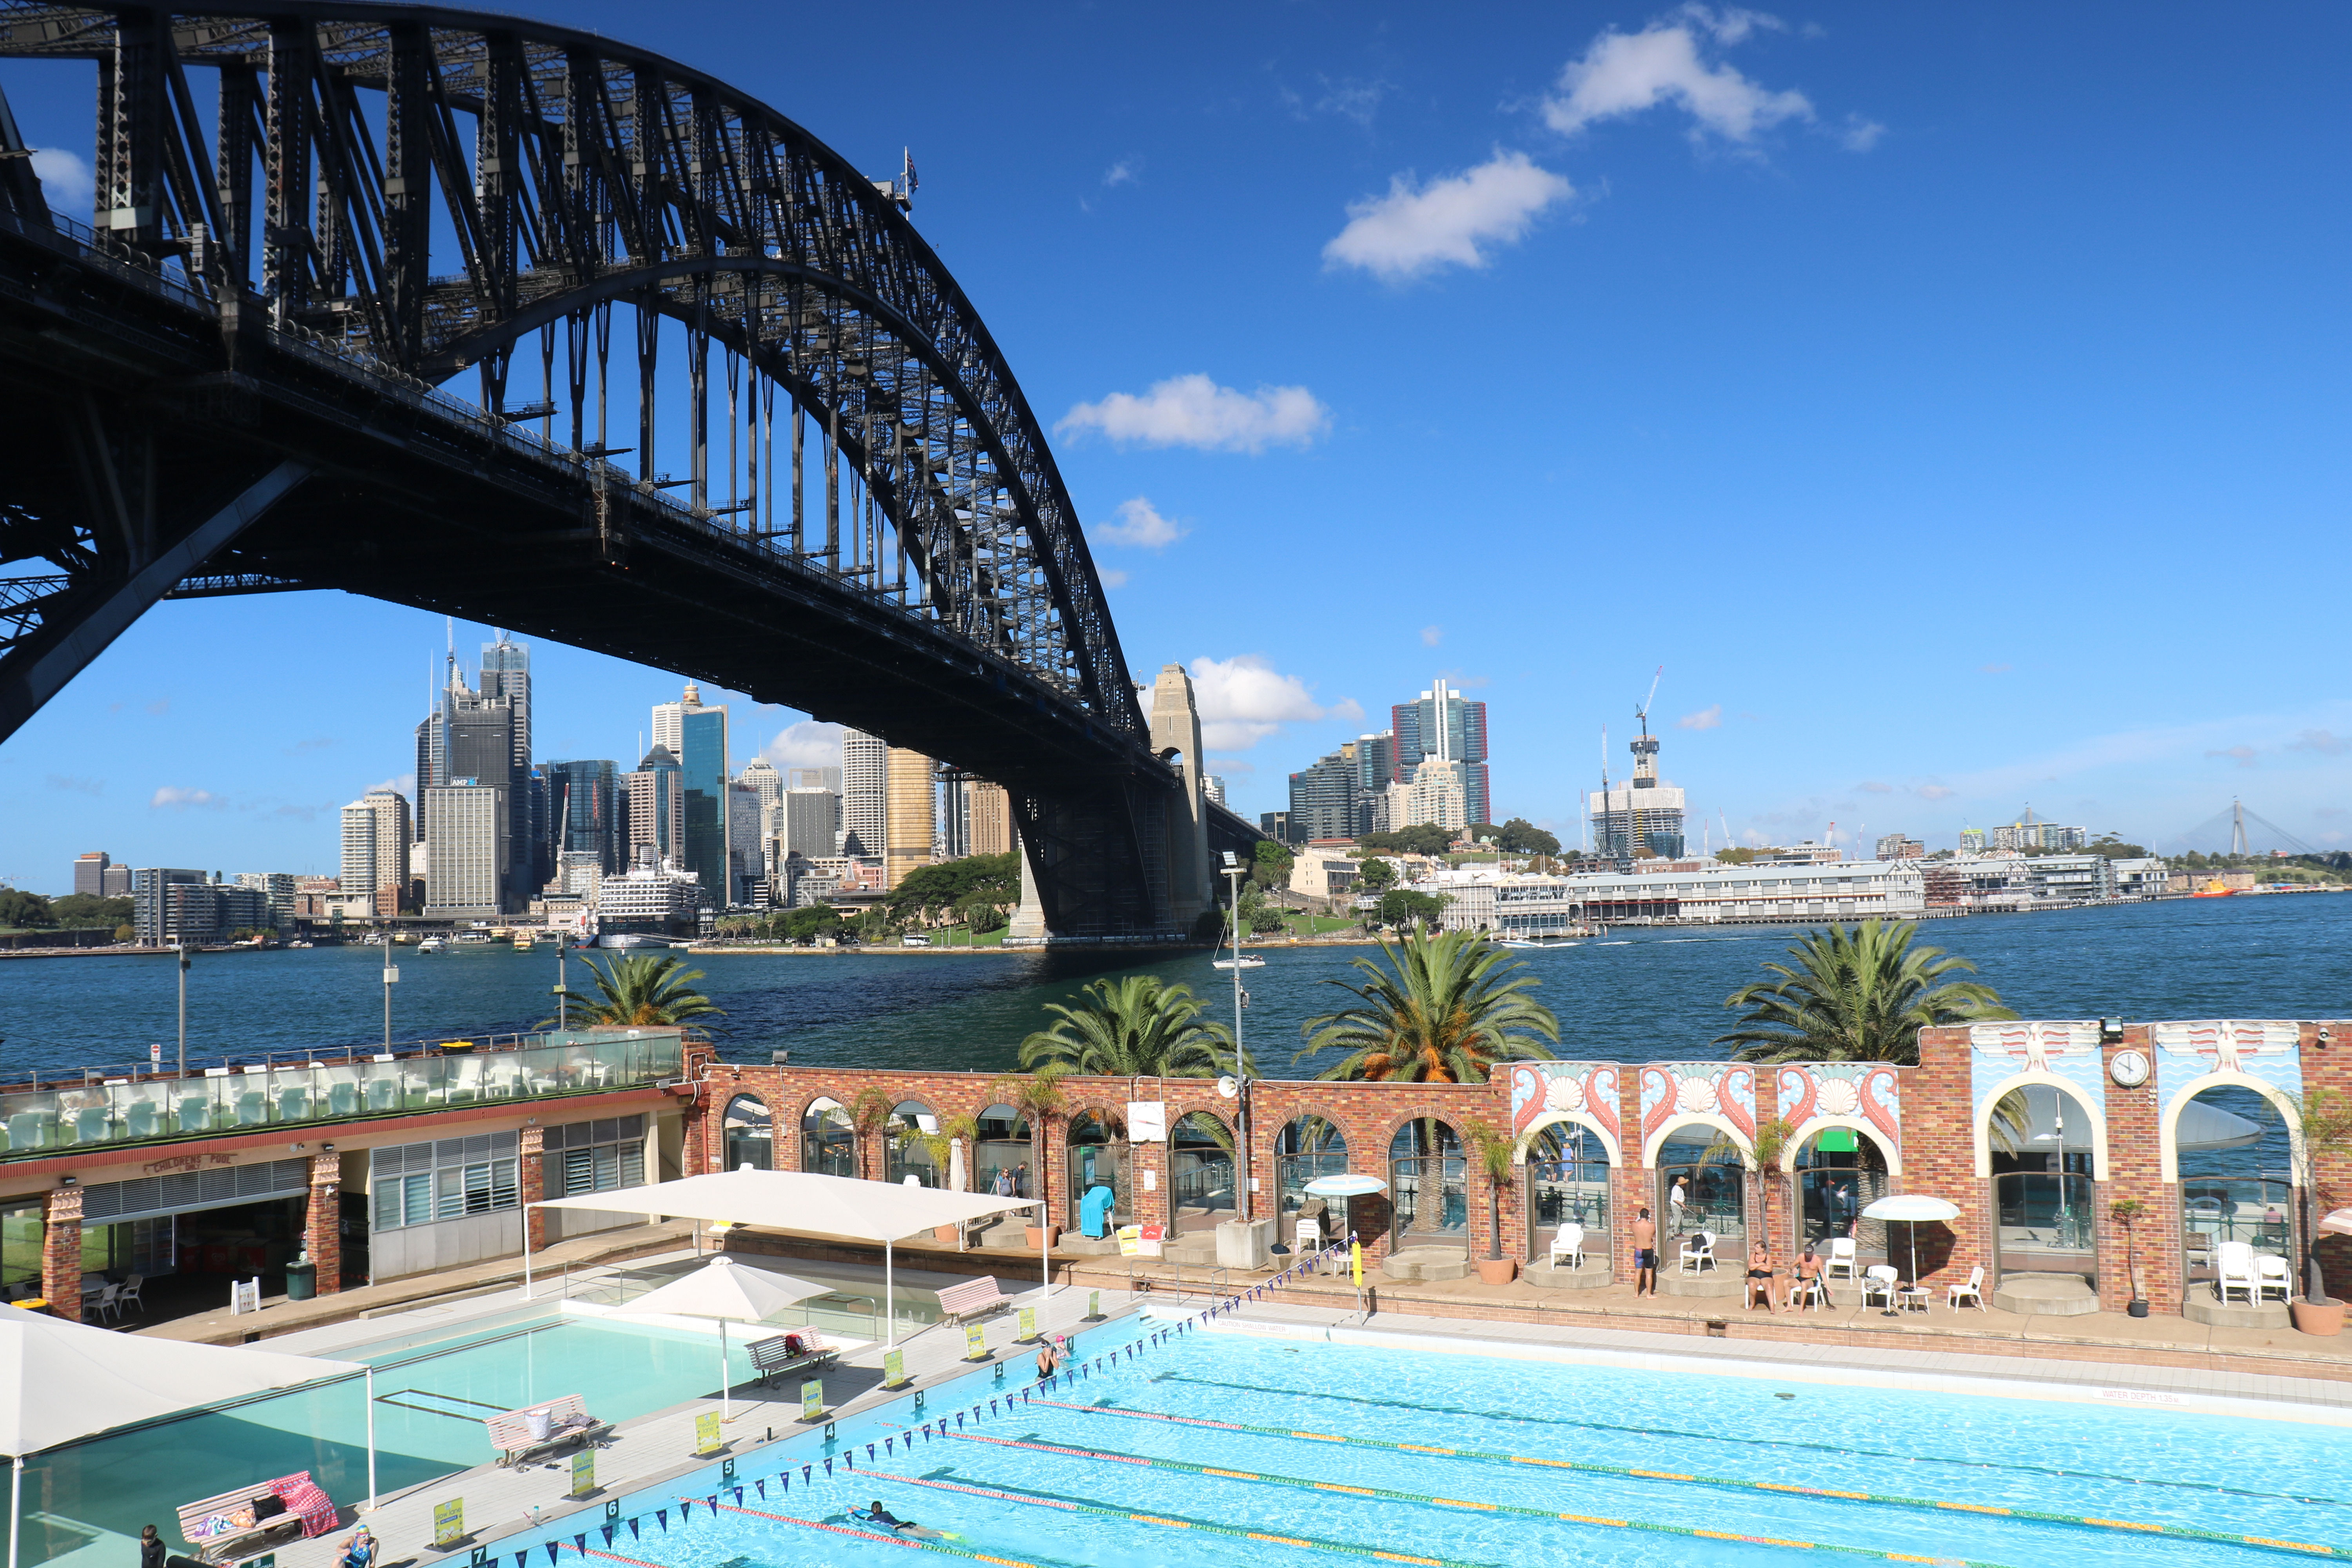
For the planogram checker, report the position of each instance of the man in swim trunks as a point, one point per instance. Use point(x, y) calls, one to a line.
point(1645, 1254)
point(1761, 1279)
point(1809, 1268)
point(877, 1514)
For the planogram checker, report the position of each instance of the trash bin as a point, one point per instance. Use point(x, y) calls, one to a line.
point(302, 1282)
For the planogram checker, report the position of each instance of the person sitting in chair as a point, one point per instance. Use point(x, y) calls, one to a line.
point(1761, 1280)
point(1809, 1272)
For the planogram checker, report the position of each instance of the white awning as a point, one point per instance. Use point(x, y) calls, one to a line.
point(64, 1380)
point(801, 1200)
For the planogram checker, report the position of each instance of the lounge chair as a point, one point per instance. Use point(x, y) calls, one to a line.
point(1698, 1247)
point(802, 1350)
point(1879, 1281)
point(233, 1524)
point(1568, 1242)
point(1971, 1291)
point(1840, 1259)
point(518, 1434)
point(2234, 1269)
point(2271, 1274)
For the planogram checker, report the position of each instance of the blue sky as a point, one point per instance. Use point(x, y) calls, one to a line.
point(1951, 400)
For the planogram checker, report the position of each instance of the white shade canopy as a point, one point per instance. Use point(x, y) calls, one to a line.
point(2337, 1221)
point(1347, 1184)
point(801, 1200)
point(1916, 1208)
point(62, 1381)
point(724, 1287)
point(2206, 1126)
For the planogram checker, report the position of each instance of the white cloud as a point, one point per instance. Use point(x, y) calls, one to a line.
point(1860, 135)
point(1141, 527)
point(2327, 742)
point(399, 783)
point(1873, 786)
point(1111, 577)
point(1242, 699)
point(172, 798)
point(1625, 73)
point(1705, 719)
point(1432, 636)
point(66, 180)
point(1416, 229)
point(2243, 754)
point(1935, 792)
point(1120, 174)
point(810, 744)
point(1352, 100)
point(1193, 411)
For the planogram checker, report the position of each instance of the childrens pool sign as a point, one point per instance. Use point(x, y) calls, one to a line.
point(448, 1523)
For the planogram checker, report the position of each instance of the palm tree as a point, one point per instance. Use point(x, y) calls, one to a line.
point(640, 988)
point(1038, 1098)
point(1131, 1026)
point(1452, 1010)
point(867, 1112)
point(1493, 1153)
point(1857, 994)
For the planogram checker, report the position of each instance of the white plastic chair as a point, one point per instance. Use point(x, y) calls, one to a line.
point(108, 1299)
point(1878, 1280)
point(2234, 1269)
point(1840, 1258)
point(1698, 1247)
point(1309, 1237)
point(1568, 1242)
point(1971, 1291)
point(2271, 1274)
point(128, 1296)
point(1809, 1292)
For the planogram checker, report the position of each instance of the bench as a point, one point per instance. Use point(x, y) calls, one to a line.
point(973, 1298)
point(567, 1421)
point(772, 1358)
point(306, 1508)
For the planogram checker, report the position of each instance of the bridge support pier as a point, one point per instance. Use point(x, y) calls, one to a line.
point(1176, 736)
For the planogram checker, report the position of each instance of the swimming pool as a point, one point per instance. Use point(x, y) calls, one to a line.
point(1193, 1447)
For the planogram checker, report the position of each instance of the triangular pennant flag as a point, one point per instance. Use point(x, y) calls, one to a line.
point(580, 1543)
point(849, 1460)
point(804, 1473)
point(685, 1508)
point(889, 1445)
point(787, 1479)
point(552, 1548)
point(632, 1530)
point(739, 1497)
point(869, 1453)
point(992, 1407)
point(762, 1485)
point(608, 1534)
point(959, 1420)
point(828, 1469)
point(522, 1559)
point(711, 1502)
point(662, 1514)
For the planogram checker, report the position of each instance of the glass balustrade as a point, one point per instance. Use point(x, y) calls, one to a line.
point(226, 1099)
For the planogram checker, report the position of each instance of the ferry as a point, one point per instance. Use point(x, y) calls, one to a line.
point(432, 944)
point(632, 939)
point(1538, 942)
point(1247, 961)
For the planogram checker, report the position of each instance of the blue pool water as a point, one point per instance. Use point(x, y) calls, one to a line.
point(1100, 1474)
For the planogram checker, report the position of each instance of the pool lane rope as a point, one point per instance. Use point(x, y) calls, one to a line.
point(2169, 1532)
point(1354, 1549)
point(2212, 1487)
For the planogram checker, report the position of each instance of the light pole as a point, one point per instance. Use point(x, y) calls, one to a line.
point(180, 947)
point(1240, 1067)
point(391, 978)
point(563, 991)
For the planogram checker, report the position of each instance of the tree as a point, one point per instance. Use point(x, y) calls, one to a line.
point(1858, 994)
point(929, 890)
point(1520, 837)
point(2327, 1119)
point(2115, 848)
point(124, 932)
point(26, 910)
point(1402, 906)
point(1735, 856)
point(868, 1110)
point(2124, 1211)
point(1375, 875)
point(1492, 1150)
point(1265, 918)
point(805, 925)
point(1130, 1025)
point(1270, 864)
point(642, 988)
point(1038, 1097)
point(1427, 838)
point(88, 909)
point(1449, 1007)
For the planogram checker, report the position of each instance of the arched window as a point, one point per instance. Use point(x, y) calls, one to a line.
point(1098, 1160)
point(908, 1138)
point(749, 1134)
point(1703, 1185)
point(1428, 1187)
point(828, 1140)
point(2041, 1138)
point(2236, 1180)
point(1567, 1183)
point(1306, 1147)
point(1839, 1172)
point(1002, 1154)
point(1199, 1173)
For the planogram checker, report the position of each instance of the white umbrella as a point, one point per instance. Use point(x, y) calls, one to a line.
point(1911, 1208)
point(2337, 1221)
point(1345, 1185)
point(724, 1289)
point(2204, 1126)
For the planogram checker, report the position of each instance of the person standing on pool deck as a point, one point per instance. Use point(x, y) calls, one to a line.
point(1677, 1206)
point(1645, 1253)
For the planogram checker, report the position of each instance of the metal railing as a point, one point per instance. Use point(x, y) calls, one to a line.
point(137, 1108)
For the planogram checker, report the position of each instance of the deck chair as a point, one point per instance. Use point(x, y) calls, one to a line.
point(2234, 1269)
point(1568, 1242)
point(1698, 1247)
point(2271, 1274)
point(1971, 1291)
point(1878, 1281)
point(1841, 1262)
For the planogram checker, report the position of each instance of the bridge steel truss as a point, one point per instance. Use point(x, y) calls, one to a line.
point(231, 382)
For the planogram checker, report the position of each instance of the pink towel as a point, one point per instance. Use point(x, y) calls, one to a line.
point(301, 1495)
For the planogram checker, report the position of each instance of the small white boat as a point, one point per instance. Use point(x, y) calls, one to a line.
point(1247, 961)
point(1539, 942)
point(432, 944)
point(632, 939)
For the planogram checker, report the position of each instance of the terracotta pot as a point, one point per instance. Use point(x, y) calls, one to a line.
point(1498, 1271)
point(1042, 1235)
point(947, 1233)
point(2317, 1317)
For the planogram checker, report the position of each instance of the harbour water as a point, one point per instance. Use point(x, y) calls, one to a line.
point(1635, 995)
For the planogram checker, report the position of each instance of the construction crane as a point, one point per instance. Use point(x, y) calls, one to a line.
point(1644, 750)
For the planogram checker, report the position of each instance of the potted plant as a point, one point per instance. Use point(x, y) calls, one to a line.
point(1494, 1154)
point(2125, 1212)
point(2327, 1117)
point(1039, 1098)
point(956, 1134)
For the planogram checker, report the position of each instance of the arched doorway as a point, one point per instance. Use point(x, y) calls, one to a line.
point(1428, 1187)
point(1306, 1147)
point(1200, 1174)
point(1702, 1186)
point(1097, 1161)
point(1567, 1183)
point(828, 1140)
point(1838, 1173)
point(2235, 1156)
point(749, 1134)
point(2042, 1141)
point(906, 1139)
point(1003, 1150)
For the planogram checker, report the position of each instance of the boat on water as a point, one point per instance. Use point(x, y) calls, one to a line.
point(632, 939)
point(1540, 942)
point(1247, 961)
point(432, 944)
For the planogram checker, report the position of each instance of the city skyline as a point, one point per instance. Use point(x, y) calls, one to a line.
point(1888, 356)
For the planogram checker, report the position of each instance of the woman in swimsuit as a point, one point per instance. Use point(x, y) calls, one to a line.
point(1761, 1279)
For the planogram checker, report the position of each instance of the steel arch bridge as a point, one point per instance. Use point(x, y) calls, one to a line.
point(230, 381)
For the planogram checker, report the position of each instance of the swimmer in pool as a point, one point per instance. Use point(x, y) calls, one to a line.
point(876, 1514)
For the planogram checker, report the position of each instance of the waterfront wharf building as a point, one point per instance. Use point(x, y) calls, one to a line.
point(1698, 892)
point(379, 1166)
point(2160, 1112)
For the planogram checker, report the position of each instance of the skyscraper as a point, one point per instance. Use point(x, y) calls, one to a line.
point(90, 873)
point(1442, 724)
point(470, 858)
point(747, 866)
point(696, 737)
point(811, 828)
point(865, 792)
point(585, 813)
point(763, 778)
point(1323, 798)
point(1641, 817)
point(376, 839)
point(814, 778)
point(913, 817)
point(990, 812)
point(655, 807)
